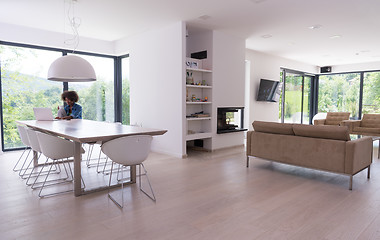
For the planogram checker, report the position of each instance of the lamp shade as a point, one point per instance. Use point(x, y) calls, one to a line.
point(71, 68)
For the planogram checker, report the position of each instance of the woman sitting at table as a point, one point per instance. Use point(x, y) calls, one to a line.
point(72, 109)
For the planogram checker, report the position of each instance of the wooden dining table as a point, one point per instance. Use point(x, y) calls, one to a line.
point(87, 131)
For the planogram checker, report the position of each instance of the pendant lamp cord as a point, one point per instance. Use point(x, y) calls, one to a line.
point(74, 23)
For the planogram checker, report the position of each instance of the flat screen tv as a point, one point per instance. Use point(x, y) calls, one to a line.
point(269, 90)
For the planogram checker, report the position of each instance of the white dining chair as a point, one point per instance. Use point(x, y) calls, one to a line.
point(129, 151)
point(34, 173)
point(24, 139)
point(56, 149)
point(35, 146)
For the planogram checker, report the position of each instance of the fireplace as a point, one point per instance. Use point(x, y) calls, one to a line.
point(230, 119)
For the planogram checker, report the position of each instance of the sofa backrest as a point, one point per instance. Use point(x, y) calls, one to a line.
point(370, 121)
point(320, 131)
point(335, 118)
point(273, 127)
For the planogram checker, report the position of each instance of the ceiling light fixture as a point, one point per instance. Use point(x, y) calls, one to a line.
point(257, 1)
point(71, 68)
point(335, 36)
point(314, 27)
point(266, 36)
point(204, 17)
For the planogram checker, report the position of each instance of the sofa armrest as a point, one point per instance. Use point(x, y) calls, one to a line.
point(319, 121)
point(358, 155)
point(351, 124)
point(248, 146)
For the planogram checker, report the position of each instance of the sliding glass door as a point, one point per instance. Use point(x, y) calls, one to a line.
point(296, 99)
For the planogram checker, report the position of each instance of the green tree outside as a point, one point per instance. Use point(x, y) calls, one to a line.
point(339, 93)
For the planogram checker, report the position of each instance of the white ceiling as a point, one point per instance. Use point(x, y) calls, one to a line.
point(287, 22)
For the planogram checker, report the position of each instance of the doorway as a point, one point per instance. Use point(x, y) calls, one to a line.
point(296, 100)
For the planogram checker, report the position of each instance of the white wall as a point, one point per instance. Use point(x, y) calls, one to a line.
point(228, 82)
point(268, 67)
point(33, 36)
point(157, 91)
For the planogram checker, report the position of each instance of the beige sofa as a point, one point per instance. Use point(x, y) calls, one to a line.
point(333, 118)
point(369, 125)
point(326, 148)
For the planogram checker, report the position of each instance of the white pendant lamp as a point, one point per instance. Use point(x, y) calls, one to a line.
point(71, 68)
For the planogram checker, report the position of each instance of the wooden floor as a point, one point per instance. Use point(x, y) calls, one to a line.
point(204, 196)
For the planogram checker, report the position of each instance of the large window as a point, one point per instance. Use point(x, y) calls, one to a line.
point(357, 93)
point(97, 98)
point(24, 86)
point(339, 93)
point(371, 92)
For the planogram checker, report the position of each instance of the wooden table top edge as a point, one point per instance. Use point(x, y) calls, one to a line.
point(152, 132)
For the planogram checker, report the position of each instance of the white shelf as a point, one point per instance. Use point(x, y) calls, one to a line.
point(198, 70)
point(198, 136)
point(198, 102)
point(196, 118)
point(197, 86)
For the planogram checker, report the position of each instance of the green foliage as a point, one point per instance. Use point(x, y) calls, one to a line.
point(339, 93)
point(96, 99)
point(293, 98)
point(371, 93)
point(19, 98)
point(125, 102)
point(336, 93)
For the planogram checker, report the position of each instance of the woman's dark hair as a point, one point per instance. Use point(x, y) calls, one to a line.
point(71, 95)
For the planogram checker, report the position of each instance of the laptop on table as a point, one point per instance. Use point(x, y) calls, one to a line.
point(43, 114)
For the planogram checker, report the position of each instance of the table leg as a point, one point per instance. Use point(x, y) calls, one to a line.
point(77, 169)
point(35, 158)
point(133, 174)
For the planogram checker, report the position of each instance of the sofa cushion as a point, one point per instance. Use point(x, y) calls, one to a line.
point(328, 132)
point(273, 127)
point(335, 118)
point(370, 121)
point(366, 130)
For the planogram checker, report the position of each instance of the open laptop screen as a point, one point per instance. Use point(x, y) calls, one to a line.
point(43, 114)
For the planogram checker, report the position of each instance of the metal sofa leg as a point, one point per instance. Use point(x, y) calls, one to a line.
point(247, 161)
point(369, 172)
point(350, 188)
